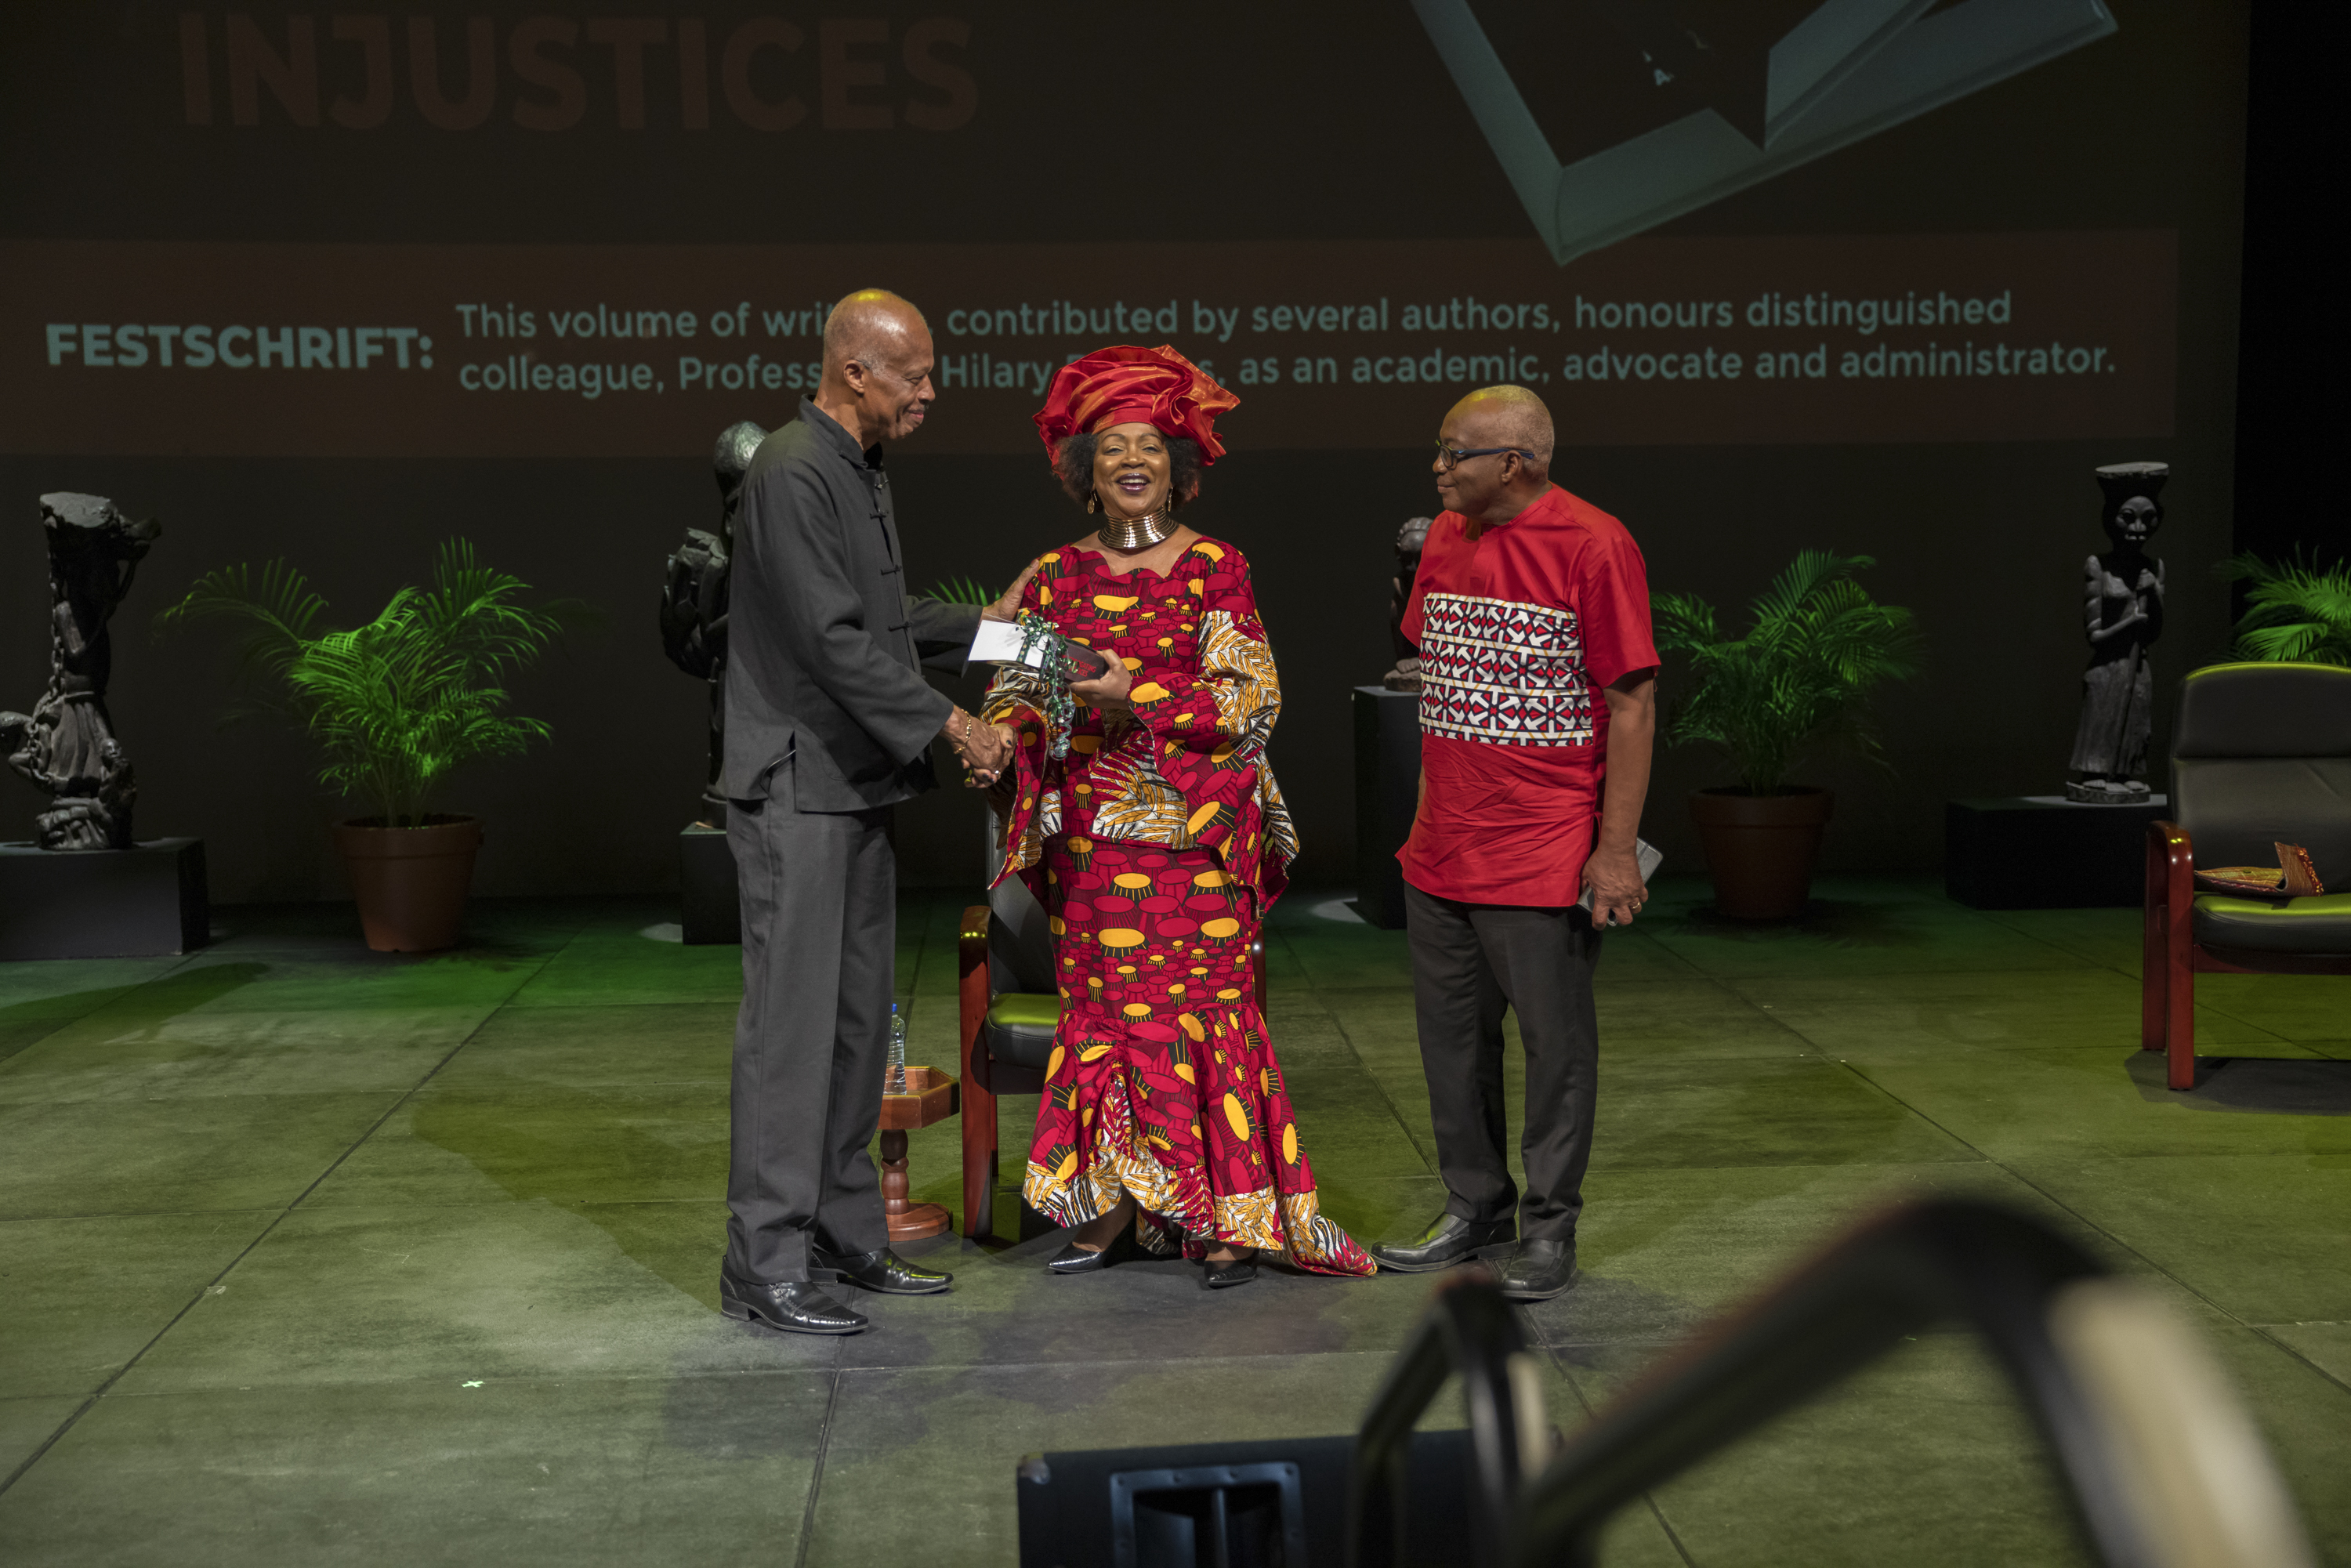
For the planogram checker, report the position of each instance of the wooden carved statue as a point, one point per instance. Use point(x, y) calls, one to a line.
point(2123, 605)
point(1405, 677)
point(693, 603)
point(66, 745)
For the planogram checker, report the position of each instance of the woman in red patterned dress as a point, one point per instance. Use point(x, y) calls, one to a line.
point(1149, 826)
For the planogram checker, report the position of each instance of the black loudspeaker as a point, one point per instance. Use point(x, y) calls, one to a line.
point(1278, 1503)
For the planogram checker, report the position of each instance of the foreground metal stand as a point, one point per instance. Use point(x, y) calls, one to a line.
point(2162, 1464)
point(2155, 1450)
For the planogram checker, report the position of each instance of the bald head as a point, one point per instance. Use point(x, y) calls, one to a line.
point(871, 327)
point(1508, 429)
point(877, 367)
point(1506, 416)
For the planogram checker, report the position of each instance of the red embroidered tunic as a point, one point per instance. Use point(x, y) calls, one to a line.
point(1518, 632)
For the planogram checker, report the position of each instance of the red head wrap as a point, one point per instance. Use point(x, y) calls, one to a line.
point(1127, 385)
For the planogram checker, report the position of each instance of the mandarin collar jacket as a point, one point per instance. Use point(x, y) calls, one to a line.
point(826, 706)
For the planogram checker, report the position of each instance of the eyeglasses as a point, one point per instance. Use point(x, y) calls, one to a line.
point(1449, 456)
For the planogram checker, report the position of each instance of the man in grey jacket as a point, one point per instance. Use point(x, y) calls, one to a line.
point(829, 725)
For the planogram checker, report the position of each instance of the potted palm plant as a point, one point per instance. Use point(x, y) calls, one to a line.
point(396, 705)
point(2294, 613)
point(1800, 676)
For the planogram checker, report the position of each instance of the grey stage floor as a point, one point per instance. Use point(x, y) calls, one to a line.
point(312, 1256)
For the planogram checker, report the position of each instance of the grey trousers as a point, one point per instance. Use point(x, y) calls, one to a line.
point(1470, 960)
point(819, 921)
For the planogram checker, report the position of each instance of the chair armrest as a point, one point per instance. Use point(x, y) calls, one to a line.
point(2167, 953)
point(971, 977)
point(2171, 866)
point(978, 1108)
point(2168, 946)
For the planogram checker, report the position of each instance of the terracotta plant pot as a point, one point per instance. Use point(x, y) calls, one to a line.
point(410, 883)
point(1760, 849)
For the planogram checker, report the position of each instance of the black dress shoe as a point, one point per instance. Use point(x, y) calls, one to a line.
point(795, 1306)
point(1215, 1276)
point(1537, 1271)
point(880, 1270)
point(1075, 1259)
point(1450, 1240)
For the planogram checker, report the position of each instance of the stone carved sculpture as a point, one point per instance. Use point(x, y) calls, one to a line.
point(1405, 677)
point(2123, 605)
point(66, 745)
point(693, 603)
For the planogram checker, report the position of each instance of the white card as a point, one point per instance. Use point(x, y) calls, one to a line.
point(998, 643)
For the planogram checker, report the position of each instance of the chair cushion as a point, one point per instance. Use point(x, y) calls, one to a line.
point(2321, 924)
point(1020, 1028)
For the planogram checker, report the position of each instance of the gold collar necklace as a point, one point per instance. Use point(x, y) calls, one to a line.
point(1139, 533)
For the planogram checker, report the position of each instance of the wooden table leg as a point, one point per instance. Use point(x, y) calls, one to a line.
point(908, 1221)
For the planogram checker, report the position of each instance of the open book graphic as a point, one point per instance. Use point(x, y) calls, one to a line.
point(1617, 115)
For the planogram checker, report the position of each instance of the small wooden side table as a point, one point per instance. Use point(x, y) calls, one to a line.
point(931, 1096)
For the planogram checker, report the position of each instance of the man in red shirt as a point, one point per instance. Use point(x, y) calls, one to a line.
point(1536, 716)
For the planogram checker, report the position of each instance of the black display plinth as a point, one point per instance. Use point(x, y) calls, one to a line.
point(138, 903)
point(2044, 852)
point(1388, 793)
point(710, 910)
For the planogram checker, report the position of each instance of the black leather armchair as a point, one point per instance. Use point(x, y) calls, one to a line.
point(2260, 754)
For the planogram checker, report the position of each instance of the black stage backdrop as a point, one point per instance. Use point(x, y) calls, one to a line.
point(1882, 275)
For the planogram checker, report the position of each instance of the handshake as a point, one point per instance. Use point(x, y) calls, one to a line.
point(985, 749)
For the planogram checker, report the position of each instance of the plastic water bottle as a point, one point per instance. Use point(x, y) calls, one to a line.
point(894, 1080)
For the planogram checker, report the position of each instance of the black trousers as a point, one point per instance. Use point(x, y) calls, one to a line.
point(819, 946)
point(1468, 961)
